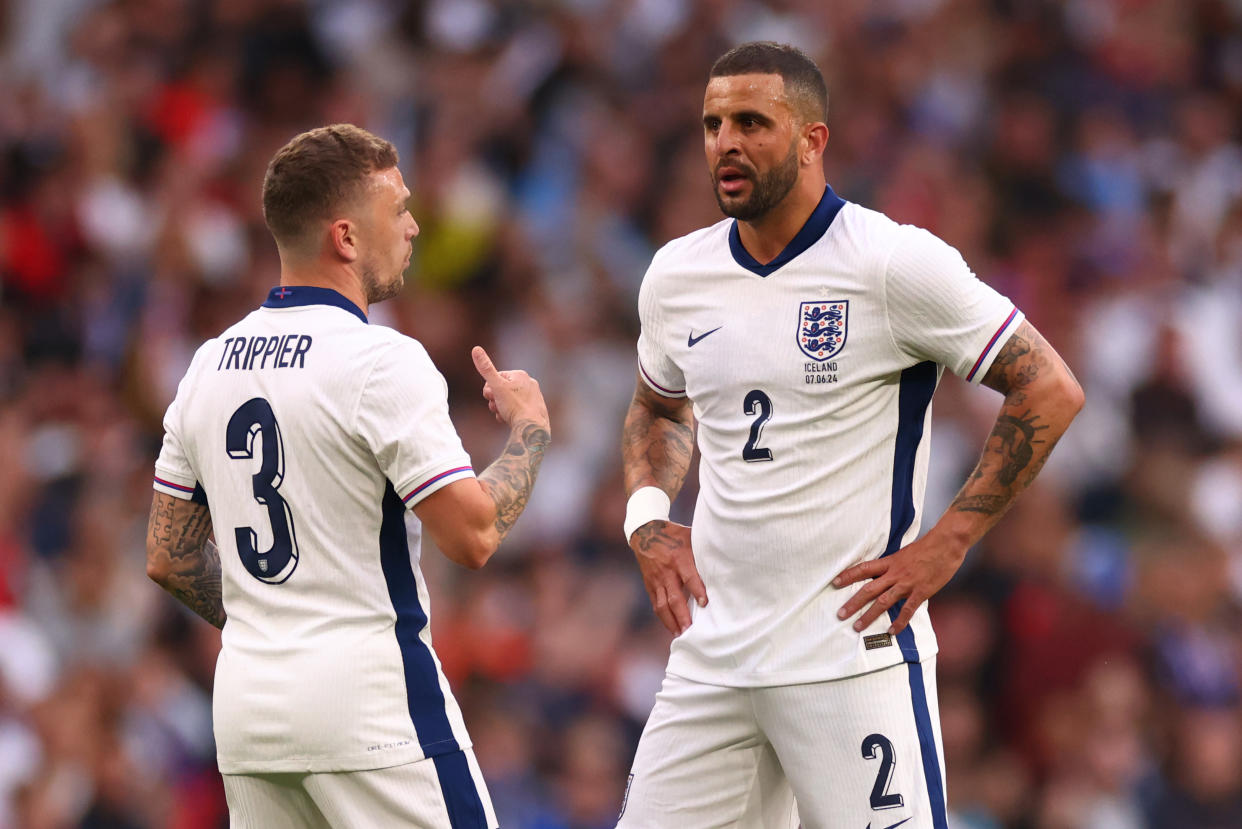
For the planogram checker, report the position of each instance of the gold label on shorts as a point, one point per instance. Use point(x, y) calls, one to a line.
point(877, 640)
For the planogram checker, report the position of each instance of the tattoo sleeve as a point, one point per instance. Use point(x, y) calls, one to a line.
point(657, 441)
point(511, 477)
point(1031, 421)
point(180, 551)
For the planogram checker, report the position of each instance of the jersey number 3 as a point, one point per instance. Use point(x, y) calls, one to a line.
point(756, 403)
point(277, 563)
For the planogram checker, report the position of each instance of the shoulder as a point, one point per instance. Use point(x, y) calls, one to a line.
point(205, 354)
point(377, 342)
point(390, 338)
point(713, 238)
point(391, 352)
point(870, 229)
point(691, 251)
point(693, 248)
point(235, 330)
point(916, 250)
point(891, 245)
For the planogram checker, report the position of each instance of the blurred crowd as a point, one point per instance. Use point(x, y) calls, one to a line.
point(1083, 155)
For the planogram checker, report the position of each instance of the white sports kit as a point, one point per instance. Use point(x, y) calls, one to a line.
point(310, 433)
point(811, 379)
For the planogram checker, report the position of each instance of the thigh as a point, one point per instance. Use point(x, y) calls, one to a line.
point(862, 751)
point(702, 762)
point(270, 801)
point(441, 792)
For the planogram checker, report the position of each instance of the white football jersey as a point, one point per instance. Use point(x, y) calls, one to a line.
point(311, 433)
point(811, 379)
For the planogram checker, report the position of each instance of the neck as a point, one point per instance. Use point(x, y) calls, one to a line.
point(339, 279)
point(765, 237)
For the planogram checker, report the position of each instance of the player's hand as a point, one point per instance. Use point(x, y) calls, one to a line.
point(914, 573)
point(513, 396)
point(667, 564)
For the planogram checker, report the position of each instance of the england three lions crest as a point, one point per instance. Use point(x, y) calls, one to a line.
point(821, 327)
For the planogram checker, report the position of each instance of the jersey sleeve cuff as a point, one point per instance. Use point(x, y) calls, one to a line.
point(988, 355)
point(167, 484)
point(422, 486)
point(663, 391)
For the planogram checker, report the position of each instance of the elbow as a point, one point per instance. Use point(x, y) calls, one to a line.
point(474, 552)
point(157, 568)
point(476, 560)
point(1071, 391)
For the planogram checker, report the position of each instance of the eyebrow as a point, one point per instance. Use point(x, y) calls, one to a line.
point(754, 115)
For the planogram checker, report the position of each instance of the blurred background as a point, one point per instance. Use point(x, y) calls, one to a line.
point(1083, 155)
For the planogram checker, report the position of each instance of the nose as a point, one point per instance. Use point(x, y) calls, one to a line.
point(727, 139)
point(413, 231)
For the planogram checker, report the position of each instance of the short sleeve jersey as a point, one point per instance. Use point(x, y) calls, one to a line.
point(811, 379)
point(309, 433)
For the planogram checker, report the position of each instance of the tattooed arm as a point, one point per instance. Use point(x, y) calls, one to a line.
point(1041, 398)
point(656, 445)
point(657, 441)
point(182, 559)
point(511, 477)
point(468, 519)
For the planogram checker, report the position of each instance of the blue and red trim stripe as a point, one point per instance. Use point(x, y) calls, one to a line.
point(657, 386)
point(431, 481)
point(986, 349)
point(189, 490)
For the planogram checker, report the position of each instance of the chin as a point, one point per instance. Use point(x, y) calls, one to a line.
point(737, 209)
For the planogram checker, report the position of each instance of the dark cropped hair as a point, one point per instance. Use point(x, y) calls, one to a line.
point(316, 174)
point(804, 83)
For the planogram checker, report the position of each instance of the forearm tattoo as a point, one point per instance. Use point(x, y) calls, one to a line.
point(510, 479)
point(1023, 436)
point(178, 539)
point(657, 442)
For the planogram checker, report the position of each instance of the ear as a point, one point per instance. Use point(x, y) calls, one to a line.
point(814, 140)
point(343, 236)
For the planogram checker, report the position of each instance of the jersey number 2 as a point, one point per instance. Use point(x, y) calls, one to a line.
point(756, 403)
point(277, 563)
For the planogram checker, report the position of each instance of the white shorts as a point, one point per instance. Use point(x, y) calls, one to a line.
point(441, 792)
point(864, 751)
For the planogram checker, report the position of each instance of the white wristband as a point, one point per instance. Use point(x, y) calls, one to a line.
point(648, 503)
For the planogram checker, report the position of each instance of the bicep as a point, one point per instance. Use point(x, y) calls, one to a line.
point(456, 515)
point(1026, 360)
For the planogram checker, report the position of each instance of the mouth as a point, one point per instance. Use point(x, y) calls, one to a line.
point(731, 180)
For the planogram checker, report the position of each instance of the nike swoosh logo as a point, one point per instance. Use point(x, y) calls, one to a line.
point(692, 340)
point(895, 825)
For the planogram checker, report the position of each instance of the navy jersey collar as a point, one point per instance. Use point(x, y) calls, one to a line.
point(817, 224)
point(289, 296)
